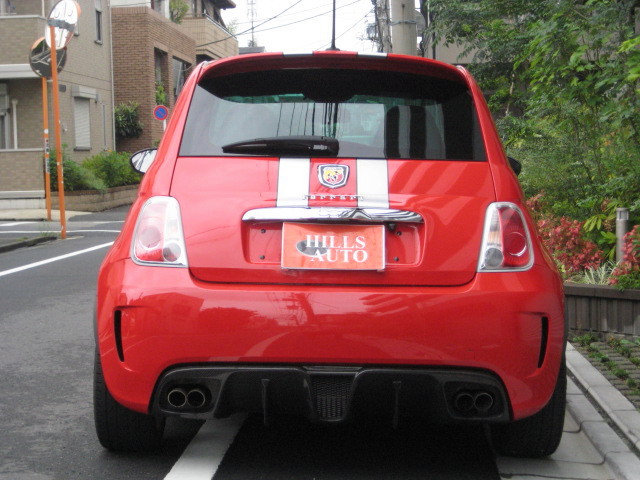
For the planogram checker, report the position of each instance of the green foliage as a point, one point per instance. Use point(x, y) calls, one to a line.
point(112, 168)
point(105, 170)
point(127, 120)
point(178, 9)
point(564, 84)
point(74, 176)
point(586, 339)
point(161, 94)
point(600, 275)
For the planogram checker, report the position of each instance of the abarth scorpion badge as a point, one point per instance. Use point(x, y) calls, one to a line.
point(333, 176)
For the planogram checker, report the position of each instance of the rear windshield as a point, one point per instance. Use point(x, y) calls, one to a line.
point(371, 114)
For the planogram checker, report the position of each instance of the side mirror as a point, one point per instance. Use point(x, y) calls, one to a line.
point(516, 166)
point(142, 160)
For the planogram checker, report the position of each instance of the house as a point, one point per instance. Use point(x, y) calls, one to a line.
point(153, 54)
point(85, 93)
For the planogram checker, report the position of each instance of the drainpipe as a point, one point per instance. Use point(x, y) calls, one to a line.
point(622, 227)
point(14, 118)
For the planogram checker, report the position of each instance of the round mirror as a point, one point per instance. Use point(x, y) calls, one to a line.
point(142, 160)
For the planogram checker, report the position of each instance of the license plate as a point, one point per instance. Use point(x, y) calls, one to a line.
point(333, 247)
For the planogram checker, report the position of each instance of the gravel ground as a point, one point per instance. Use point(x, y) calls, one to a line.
point(618, 361)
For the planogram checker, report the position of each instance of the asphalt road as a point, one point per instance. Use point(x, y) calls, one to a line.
point(46, 419)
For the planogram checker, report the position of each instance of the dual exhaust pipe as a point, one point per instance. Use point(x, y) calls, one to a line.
point(187, 398)
point(470, 403)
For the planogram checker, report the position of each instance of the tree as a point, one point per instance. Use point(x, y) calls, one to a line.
point(564, 82)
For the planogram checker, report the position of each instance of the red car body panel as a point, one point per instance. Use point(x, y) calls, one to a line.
point(184, 321)
point(429, 308)
point(457, 194)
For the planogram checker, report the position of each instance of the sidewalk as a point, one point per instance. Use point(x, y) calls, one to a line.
point(622, 458)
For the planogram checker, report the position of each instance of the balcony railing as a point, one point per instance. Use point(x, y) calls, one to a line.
point(210, 36)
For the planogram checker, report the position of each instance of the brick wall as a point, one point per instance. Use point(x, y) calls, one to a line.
point(17, 36)
point(21, 170)
point(88, 68)
point(137, 33)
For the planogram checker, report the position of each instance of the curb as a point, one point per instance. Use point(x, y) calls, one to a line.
point(26, 243)
point(620, 459)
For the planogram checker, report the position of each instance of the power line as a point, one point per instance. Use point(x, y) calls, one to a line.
point(348, 29)
point(317, 7)
point(302, 20)
point(250, 29)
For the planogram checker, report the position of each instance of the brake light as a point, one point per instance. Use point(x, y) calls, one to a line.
point(158, 238)
point(506, 243)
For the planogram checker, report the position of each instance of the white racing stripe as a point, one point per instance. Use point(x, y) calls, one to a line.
point(54, 259)
point(293, 182)
point(373, 183)
point(203, 455)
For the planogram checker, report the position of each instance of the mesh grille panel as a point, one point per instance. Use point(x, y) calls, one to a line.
point(331, 395)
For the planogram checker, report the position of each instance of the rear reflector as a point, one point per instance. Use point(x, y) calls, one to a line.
point(158, 239)
point(506, 244)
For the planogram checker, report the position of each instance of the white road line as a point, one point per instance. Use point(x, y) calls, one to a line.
point(22, 232)
point(90, 231)
point(13, 224)
point(203, 456)
point(54, 259)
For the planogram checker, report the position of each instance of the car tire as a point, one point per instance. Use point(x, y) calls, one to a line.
point(118, 428)
point(539, 435)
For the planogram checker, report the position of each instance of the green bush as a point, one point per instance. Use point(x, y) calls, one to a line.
point(75, 176)
point(112, 168)
point(102, 171)
point(127, 120)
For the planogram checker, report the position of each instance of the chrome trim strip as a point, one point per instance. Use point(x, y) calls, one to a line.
point(335, 214)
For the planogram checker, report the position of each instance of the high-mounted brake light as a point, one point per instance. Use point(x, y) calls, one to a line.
point(158, 238)
point(506, 243)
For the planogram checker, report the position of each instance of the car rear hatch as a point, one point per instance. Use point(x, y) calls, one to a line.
point(333, 176)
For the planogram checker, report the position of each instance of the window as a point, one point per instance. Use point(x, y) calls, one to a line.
point(98, 5)
point(4, 131)
point(179, 75)
point(82, 122)
point(372, 114)
point(158, 6)
point(5, 118)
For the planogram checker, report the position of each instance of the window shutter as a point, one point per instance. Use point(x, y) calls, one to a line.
point(82, 120)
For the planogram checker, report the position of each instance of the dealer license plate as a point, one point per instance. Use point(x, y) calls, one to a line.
point(333, 246)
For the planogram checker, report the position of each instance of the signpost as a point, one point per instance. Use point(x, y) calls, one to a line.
point(46, 53)
point(160, 112)
point(40, 61)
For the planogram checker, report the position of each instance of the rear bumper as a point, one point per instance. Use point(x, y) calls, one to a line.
point(331, 394)
point(153, 322)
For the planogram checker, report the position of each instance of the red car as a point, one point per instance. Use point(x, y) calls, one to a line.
point(333, 235)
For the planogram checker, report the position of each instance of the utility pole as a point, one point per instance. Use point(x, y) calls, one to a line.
point(403, 27)
point(251, 4)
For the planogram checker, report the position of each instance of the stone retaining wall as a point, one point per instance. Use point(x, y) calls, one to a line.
point(602, 309)
point(96, 201)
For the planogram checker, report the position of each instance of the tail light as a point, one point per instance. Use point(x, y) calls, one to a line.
point(158, 238)
point(506, 243)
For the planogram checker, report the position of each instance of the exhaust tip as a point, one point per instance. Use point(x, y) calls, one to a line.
point(177, 398)
point(483, 402)
point(196, 398)
point(463, 402)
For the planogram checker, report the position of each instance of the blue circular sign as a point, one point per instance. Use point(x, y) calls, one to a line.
point(161, 112)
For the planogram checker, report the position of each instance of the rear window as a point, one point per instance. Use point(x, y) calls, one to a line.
point(372, 114)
